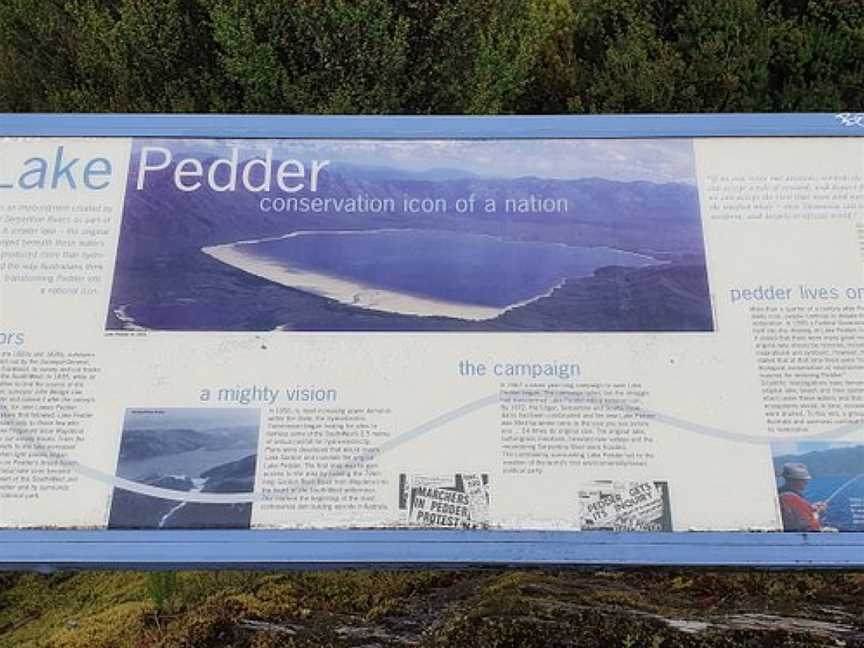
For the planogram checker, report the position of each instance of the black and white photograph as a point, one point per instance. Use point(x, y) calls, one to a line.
point(186, 450)
point(459, 500)
point(625, 506)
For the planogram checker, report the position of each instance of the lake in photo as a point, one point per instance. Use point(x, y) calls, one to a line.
point(420, 272)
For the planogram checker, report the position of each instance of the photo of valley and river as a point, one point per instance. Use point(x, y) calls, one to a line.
point(455, 235)
point(186, 450)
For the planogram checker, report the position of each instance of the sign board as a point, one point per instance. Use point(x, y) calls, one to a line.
point(453, 339)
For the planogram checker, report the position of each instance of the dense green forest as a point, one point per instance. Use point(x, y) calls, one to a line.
point(431, 56)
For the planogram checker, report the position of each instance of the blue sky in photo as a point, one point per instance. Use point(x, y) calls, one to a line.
point(195, 418)
point(783, 448)
point(652, 160)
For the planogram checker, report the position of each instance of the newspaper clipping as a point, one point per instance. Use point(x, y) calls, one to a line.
point(624, 506)
point(461, 500)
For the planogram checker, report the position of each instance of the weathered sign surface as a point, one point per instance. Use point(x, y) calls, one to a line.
point(598, 325)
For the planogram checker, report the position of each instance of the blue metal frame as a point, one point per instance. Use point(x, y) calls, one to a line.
point(335, 549)
point(44, 550)
point(411, 127)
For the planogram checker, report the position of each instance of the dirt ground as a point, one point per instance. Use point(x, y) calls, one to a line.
point(655, 608)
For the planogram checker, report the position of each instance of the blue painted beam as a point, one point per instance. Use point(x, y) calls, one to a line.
point(424, 127)
point(334, 549)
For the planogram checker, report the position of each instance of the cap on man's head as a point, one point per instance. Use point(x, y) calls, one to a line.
point(795, 471)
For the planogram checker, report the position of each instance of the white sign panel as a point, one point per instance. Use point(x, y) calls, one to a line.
point(572, 334)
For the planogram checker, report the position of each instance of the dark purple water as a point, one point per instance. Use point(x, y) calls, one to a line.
point(448, 266)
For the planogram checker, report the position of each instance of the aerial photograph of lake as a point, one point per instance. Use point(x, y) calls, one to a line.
point(421, 235)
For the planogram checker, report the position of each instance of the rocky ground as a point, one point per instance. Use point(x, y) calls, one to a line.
point(658, 609)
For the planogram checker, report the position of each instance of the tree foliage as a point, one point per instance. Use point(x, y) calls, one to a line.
point(431, 56)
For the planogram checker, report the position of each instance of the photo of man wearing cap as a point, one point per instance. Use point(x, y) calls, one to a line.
point(798, 514)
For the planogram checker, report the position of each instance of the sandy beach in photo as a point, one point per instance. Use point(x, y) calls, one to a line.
point(345, 291)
